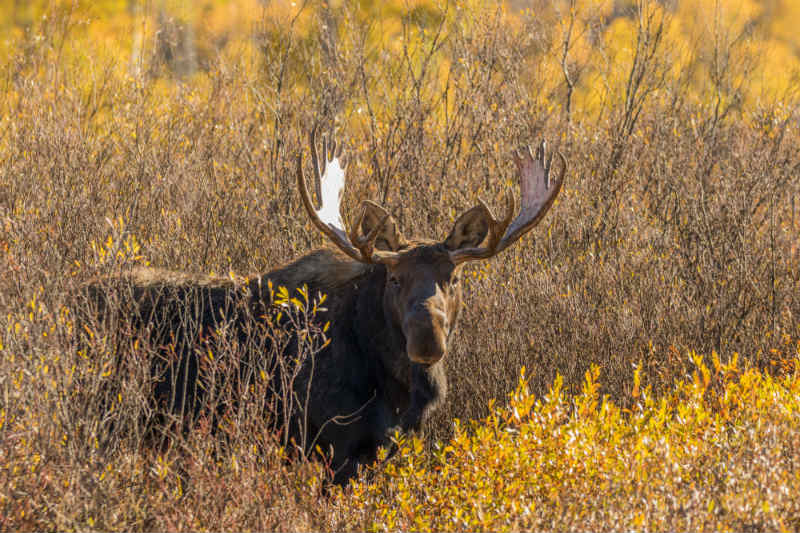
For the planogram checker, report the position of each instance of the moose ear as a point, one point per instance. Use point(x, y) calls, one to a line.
point(469, 231)
point(389, 237)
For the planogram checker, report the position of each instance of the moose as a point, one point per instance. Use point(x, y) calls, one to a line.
point(392, 305)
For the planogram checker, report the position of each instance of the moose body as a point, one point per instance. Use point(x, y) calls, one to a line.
point(364, 386)
point(392, 305)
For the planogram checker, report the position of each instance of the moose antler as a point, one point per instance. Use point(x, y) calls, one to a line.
point(329, 184)
point(538, 194)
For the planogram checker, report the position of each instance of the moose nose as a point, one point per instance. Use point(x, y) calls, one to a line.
point(425, 313)
point(426, 329)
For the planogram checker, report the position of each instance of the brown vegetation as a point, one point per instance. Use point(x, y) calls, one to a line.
point(676, 230)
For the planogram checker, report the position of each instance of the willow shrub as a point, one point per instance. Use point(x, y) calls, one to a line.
point(676, 230)
point(718, 452)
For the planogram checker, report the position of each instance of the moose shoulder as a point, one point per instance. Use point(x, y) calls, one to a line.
point(392, 304)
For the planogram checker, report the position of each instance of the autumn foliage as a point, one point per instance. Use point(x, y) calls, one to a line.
point(165, 134)
point(715, 453)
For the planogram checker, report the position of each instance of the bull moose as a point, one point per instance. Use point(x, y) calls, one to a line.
point(392, 304)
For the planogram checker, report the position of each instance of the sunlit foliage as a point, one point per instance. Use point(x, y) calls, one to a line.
point(165, 133)
point(716, 453)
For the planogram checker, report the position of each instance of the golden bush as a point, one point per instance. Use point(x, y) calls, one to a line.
point(165, 133)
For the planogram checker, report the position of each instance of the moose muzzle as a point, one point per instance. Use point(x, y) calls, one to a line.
point(425, 329)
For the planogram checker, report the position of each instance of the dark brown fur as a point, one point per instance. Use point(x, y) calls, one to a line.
point(390, 324)
point(363, 387)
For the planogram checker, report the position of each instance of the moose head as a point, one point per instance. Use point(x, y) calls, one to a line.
point(422, 294)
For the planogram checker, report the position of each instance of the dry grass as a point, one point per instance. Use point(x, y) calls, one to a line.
point(676, 231)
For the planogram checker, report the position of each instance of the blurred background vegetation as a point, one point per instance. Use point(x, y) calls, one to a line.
point(183, 40)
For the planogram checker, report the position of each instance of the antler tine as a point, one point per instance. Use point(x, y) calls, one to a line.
point(366, 244)
point(538, 194)
point(330, 183)
point(497, 227)
point(315, 162)
point(335, 150)
point(510, 210)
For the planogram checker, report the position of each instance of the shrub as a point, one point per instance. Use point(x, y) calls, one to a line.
point(676, 229)
point(717, 452)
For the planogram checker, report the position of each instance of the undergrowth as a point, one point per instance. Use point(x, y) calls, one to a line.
point(138, 135)
point(717, 452)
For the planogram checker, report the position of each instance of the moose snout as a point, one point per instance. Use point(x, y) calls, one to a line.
point(426, 329)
